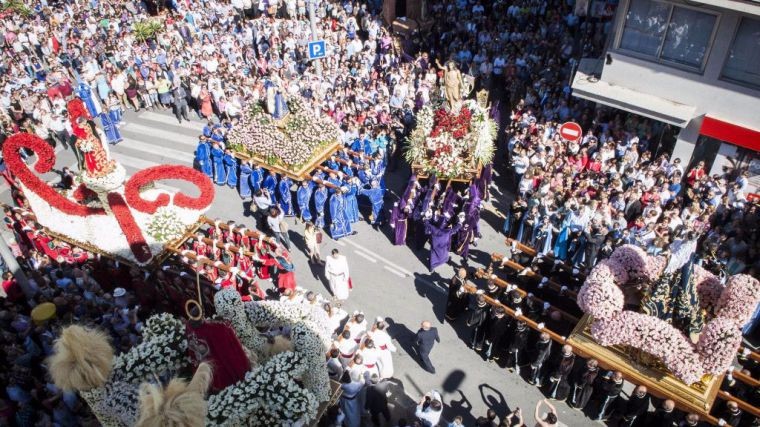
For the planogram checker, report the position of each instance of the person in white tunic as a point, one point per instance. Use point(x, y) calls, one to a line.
point(357, 327)
point(371, 357)
point(384, 346)
point(336, 269)
point(335, 317)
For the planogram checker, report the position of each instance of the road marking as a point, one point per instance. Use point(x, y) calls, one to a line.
point(393, 270)
point(339, 243)
point(365, 256)
point(153, 133)
point(170, 120)
point(163, 152)
point(391, 263)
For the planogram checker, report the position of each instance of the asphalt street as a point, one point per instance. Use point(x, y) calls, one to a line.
point(389, 281)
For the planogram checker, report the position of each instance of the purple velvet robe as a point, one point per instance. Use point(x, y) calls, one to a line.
point(440, 246)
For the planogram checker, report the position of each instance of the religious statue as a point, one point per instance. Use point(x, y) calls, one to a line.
point(276, 102)
point(452, 84)
point(674, 295)
point(97, 160)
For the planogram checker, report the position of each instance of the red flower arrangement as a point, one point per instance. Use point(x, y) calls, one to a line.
point(157, 173)
point(45, 162)
point(131, 230)
point(458, 126)
point(83, 193)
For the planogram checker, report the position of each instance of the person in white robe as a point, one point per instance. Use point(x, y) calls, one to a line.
point(385, 347)
point(336, 269)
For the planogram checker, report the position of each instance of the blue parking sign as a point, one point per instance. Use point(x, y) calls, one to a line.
point(317, 49)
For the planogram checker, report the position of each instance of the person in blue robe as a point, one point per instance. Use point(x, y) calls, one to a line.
point(365, 176)
point(333, 179)
point(230, 169)
point(332, 163)
point(270, 183)
point(208, 129)
point(352, 206)
point(303, 197)
point(113, 135)
point(340, 226)
point(257, 177)
point(203, 157)
point(561, 246)
point(217, 158)
point(376, 196)
point(217, 135)
point(84, 92)
point(320, 199)
point(244, 187)
point(362, 145)
point(286, 198)
point(377, 167)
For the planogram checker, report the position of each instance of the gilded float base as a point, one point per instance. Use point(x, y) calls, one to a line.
point(640, 368)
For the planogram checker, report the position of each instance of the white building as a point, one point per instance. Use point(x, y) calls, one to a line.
point(691, 64)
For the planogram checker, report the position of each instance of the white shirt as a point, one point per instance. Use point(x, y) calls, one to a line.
point(274, 222)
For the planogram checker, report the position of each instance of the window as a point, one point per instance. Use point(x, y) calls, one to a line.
point(743, 62)
point(668, 33)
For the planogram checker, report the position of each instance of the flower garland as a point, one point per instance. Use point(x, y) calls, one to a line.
point(147, 176)
point(291, 142)
point(602, 298)
point(166, 226)
point(45, 162)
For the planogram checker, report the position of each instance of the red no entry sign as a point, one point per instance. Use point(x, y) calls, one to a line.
point(570, 131)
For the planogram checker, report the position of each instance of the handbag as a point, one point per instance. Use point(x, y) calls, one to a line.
point(350, 284)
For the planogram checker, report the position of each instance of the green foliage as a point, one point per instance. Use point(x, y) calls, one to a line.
point(16, 6)
point(147, 29)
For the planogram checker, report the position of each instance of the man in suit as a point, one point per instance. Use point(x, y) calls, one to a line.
point(426, 337)
point(377, 400)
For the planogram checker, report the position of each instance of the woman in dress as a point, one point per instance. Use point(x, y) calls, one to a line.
point(163, 87)
point(205, 101)
point(312, 243)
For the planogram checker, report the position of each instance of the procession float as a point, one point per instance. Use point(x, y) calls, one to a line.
point(221, 361)
point(663, 321)
point(284, 136)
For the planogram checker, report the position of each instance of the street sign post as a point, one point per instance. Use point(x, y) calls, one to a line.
point(571, 131)
point(317, 49)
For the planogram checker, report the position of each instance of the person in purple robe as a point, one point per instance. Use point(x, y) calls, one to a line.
point(440, 238)
point(463, 238)
point(484, 181)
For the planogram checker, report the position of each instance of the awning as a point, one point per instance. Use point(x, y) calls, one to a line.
point(731, 133)
point(587, 86)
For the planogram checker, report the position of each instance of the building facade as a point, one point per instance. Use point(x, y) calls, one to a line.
point(694, 65)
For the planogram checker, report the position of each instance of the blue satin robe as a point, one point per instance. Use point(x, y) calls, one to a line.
point(257, 177)
point(320, 199)
point(303, 197)
point(217, 157)
point(352, 206)
point(230, 170)
point(286, 198)
point(270, 183)
point(203, 159)
point(244, 188)
point(339, 224)
point(376, 198)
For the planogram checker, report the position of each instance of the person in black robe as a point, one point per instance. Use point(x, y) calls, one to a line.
point(456, 303)
point(377, 400)
point(732, 414)
point(517, 345)
point(477, 321)
point(665, 416)
point(636, 406)
point(496, 332)
point(611, 388)
point(541, 351)
point(515, 216)
point(558, 380)
point(594, 237)
point(583, 381)
point(493, 290)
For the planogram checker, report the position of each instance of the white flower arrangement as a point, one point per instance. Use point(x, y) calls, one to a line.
point(272, 391)
point(166, 225)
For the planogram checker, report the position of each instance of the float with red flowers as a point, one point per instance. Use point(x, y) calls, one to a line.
point(125, 218)
point(452, 145)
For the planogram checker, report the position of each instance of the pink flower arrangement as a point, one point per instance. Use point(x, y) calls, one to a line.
point(718, 343)
point(736, 300)
point(601, 296)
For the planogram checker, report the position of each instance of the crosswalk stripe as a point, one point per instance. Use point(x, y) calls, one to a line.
point(159, 134)
point(158, 150)
point(170, 120)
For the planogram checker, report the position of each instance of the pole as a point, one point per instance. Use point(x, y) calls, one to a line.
point(314, 36)
point(14, 267)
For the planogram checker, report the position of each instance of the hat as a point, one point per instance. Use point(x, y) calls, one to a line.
point(119, 292)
